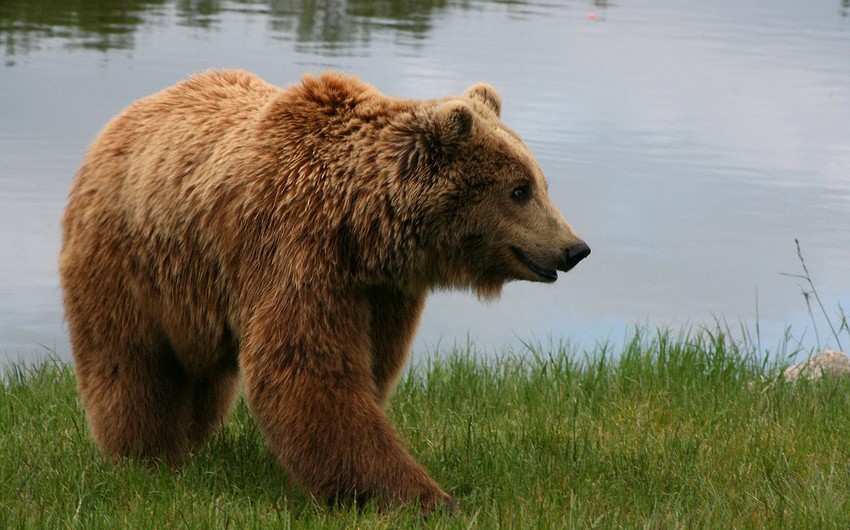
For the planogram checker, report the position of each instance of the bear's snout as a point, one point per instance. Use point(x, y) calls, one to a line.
point(574, 254)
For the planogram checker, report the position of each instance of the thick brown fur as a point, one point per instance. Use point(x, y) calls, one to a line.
point(227, 226)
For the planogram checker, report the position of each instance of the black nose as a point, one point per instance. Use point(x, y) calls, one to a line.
point(576, 253)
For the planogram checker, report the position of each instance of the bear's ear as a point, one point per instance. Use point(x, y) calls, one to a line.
point(452, 124)
point(486, 94)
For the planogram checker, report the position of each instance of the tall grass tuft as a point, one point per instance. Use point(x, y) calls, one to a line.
point(681, 429)
point(812, 294)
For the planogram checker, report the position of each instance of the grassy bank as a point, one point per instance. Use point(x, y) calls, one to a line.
point(675, 431)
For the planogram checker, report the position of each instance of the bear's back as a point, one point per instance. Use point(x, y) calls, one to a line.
point(193, 116)
point(161, 148)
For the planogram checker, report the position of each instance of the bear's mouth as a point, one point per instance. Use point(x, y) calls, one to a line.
point(548, 275)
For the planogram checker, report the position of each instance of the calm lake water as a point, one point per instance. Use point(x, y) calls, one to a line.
point(689, 142)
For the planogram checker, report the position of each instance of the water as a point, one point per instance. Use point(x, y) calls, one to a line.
point(688, 142)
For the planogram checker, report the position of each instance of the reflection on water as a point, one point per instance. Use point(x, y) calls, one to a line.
point(689, 142)
point(26, 26)
point(330, 25)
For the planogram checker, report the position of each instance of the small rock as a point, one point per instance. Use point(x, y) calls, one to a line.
point(834, 363)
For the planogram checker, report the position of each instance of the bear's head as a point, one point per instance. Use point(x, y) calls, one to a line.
point(490, 218)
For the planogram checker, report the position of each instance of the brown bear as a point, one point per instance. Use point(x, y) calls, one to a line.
point(225, 226)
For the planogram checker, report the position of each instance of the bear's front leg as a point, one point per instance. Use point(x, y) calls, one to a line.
point(394, 318)
point(313, 394)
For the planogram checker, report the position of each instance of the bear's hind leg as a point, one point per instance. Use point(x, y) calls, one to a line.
point(138, 402)
point(212, 400)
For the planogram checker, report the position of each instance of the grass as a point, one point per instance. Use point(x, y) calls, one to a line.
point(675, 431)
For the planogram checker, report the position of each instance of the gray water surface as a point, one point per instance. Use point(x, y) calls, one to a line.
point(688, 142)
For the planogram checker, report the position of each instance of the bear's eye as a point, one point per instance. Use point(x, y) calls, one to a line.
point(521, 194)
